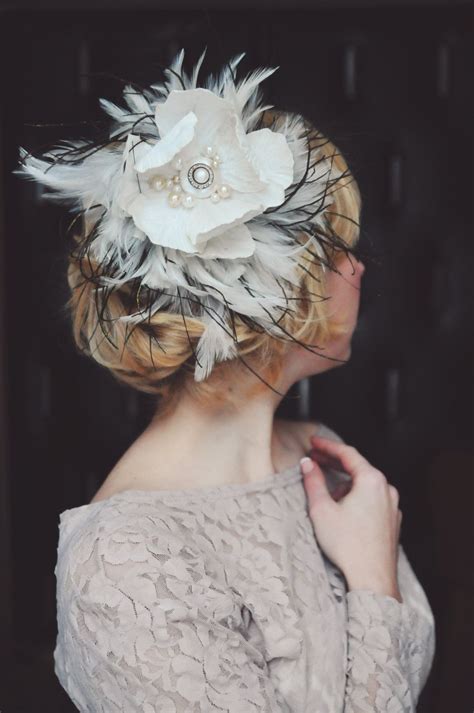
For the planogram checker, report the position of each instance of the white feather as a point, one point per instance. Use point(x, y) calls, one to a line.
point(250, 286)
point(215, 344)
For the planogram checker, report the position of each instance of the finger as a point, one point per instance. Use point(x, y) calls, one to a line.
point(341, 490)
point(337, 493)
point(315, 484)
point(350, 458)
point(399, 520)
point(394, 495)
point(324, 458)
point(398, 526)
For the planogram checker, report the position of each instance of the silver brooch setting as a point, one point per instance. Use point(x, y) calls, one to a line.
point(195, 178)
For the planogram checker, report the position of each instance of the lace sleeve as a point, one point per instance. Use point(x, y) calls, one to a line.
point(146, 626)
point(390, 647)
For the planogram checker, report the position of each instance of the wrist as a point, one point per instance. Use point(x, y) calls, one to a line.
point(380, 585)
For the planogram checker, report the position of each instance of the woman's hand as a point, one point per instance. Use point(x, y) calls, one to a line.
point(359, 533)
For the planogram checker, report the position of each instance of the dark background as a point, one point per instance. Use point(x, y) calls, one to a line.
point(389, 82)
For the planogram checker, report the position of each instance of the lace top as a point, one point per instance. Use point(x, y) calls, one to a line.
point(219, 599)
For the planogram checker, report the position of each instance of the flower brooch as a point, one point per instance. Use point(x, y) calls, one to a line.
point(204, 161)
point(197, 178)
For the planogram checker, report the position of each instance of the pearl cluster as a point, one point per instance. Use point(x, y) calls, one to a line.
point(199, 175)
point(176, 195)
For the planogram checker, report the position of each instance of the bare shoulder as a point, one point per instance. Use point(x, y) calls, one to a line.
point(311, 428)
point(300, 431)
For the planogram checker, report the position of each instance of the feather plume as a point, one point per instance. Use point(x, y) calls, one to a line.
point(215, 344)
point(86, 175)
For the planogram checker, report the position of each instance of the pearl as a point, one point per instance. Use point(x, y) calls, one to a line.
point(217, 158)
point(175, 179)
point(224, 191)
point(158, 183)
point(215, 197)
point(170, 183)
point(178, 164)
point(215, 164)
point(174, 199)
point(177, 189)
point(188, 201)
point(201, 175)
point(209, 150)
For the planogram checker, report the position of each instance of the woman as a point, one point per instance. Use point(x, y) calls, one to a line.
point(218, 567)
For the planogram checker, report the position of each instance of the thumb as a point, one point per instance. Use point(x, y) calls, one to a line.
point(315, 484)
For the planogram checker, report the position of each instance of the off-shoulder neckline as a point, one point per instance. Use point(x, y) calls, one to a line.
point(279, 479)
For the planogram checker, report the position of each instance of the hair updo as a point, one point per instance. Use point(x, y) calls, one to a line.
point(157, 355)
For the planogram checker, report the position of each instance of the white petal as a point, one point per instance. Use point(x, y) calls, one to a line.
point(189, 230)
point(186, 229)
point(235, 242)
point(236, 170)
point(212, 111)
point(172, 143)
point(208, 220)
point(257, 166)
point(271, 157)
point(218, 126)
point(161, 223)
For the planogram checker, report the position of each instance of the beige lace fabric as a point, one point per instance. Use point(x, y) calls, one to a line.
point(220, 599)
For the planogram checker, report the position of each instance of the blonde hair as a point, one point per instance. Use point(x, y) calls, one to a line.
point(156, 355)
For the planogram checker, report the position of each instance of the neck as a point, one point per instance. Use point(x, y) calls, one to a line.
point(196, 446)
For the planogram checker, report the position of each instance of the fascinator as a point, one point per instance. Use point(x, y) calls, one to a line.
point(201, 200)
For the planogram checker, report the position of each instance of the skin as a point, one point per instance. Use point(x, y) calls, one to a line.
point(223, 444)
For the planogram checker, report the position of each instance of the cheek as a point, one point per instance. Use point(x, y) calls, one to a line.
point(345, 299)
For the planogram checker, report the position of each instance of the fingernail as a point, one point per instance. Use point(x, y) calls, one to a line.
point(306, 465)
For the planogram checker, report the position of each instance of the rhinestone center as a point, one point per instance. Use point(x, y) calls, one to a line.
point(200, 175)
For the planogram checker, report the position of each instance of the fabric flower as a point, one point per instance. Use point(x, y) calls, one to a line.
point(190, 175)
point(204, 178)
